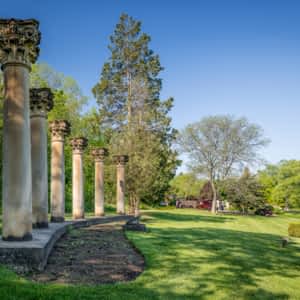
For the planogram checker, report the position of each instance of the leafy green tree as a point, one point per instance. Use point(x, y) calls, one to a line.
point(268, 178)
point(69, 104)
point(219, 145)
point(186, 184)
point(244, 193)
point(132, 117)
point(282, 183)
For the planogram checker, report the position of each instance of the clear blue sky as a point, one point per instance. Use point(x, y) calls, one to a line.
point(220, 57)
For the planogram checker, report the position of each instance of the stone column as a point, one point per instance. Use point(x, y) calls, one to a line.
point(99, 156)
point(78, 145)
point(41, 101)
point(120, 161)
point(59, 130)
point(19, 40)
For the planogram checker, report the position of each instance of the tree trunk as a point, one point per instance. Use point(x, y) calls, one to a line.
point(131, 205)
point(214, 201)
point(137, 208)
point(286, 207)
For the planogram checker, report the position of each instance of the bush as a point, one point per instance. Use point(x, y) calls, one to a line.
point(266, 210)
point(294, 229)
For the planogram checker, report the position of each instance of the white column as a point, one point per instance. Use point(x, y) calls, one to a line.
point(120, 161)
point(19, 40)
point(41, 101)
point(78, 146)
point(99, 156)
point(59, 130)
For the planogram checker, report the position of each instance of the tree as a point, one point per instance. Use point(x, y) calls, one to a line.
point(268, 178)
point(133, 119)
point(219, 145)
point(69, 104)
point(206, 192)
point(244, 193)
point(69, 101)
point(186, 184)
point(281, 183)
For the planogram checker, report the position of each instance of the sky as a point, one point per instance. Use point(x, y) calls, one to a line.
point(220, 57)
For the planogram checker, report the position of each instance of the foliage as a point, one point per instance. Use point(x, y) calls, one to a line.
point(282, 183)
point(244, 193)
point(265, 210)
point(186, 184)
point(69, 104)
point(192, 255)
point(219, 145)
point(294, 230)
point(206, 192)
point(133, 119)
point(68, 99)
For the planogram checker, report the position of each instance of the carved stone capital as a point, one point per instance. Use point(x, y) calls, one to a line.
point(59, 129)
point(41, 101)
point(99, 154)
point(120, 159)
point(79, 144)
point(19, 40)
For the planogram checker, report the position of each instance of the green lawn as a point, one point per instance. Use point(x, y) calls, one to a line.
point(194, 255)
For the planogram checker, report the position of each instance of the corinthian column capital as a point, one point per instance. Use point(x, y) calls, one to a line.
point(59, 129)
point(99, 154)
point(19, 40)
point(41, 101)
point(79, 144)
point(120, 159)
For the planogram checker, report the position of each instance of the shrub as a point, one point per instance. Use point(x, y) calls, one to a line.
point(294, 229)
point(266, 210)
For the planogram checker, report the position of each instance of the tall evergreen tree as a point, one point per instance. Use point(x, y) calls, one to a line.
point(131, 114)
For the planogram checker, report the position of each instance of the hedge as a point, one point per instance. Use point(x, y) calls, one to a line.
point(294, 229)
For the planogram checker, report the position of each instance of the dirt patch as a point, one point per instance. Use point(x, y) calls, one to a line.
point(92, 255)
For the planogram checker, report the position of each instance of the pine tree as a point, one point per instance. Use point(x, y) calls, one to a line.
point(132, 117)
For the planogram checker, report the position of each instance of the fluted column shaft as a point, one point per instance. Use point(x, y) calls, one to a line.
point(99, 155)
point(59, 129)
point(120, 189)
point(99, 188)
point(121, 160)
point(17, 51)
point(41, 101)
point(78, 145)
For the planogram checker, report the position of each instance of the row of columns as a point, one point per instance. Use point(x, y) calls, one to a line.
point(25, 173)
point(41, 101)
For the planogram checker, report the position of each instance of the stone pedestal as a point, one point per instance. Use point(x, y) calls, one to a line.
point(19, 40)
point(78, 145)
point(41, 101)
point(120, 161)
point(99, 155)
point(59, 130)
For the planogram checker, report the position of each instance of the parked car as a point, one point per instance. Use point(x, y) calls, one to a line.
point(204, 204)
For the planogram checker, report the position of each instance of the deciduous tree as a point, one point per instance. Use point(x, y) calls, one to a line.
point(219, 145)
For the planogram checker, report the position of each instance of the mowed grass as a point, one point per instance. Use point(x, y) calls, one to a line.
point(194, 255)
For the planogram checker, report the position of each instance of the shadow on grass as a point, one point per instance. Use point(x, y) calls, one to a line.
point(181, 217)
point(189, 263)
point(228, 260)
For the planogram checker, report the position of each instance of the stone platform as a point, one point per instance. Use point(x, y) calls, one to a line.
point(34, 254)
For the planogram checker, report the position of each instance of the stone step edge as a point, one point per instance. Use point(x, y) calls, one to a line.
point(34, 254)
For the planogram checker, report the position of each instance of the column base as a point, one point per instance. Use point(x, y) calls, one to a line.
point(24, 238)
point(57, 219)
point(120, 213)
point(100, 215)
point(40, 225)
point(78, 217)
